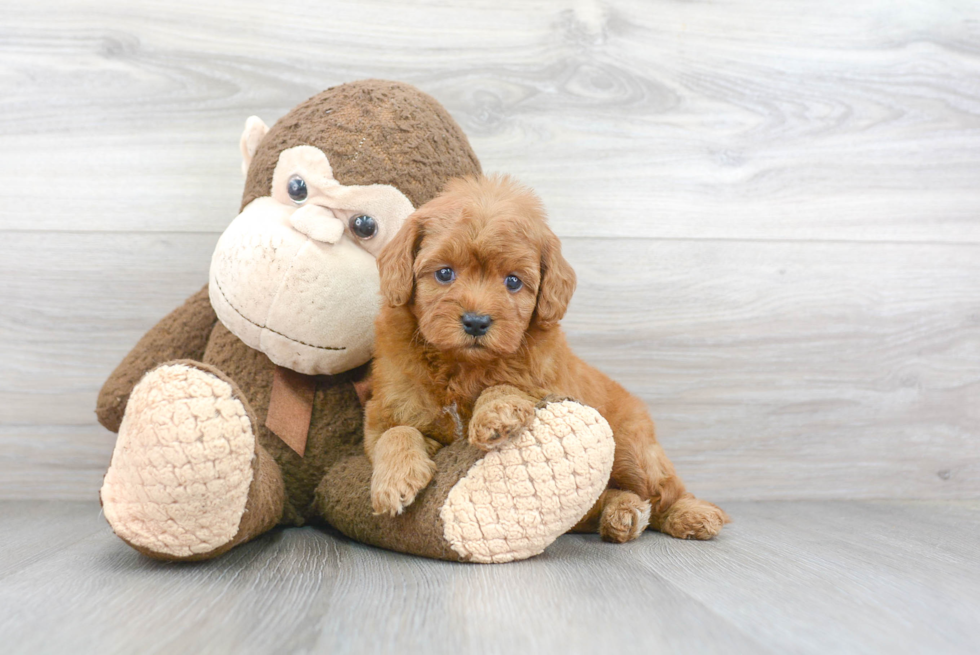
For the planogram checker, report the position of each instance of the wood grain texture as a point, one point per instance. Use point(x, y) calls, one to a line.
point(812, 577)
point(774, 370)
point(772, 119)
point(772, 206)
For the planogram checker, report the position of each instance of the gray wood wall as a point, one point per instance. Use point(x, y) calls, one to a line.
point(773, 207)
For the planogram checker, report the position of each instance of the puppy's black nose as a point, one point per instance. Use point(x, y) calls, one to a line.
point(476, 324)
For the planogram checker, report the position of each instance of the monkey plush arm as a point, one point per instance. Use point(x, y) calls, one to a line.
point(182, 334)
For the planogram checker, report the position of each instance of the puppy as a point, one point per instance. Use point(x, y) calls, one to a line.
point(468, 343)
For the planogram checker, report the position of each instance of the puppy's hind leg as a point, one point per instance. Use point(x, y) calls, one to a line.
point(642, 467)
point(618, 516)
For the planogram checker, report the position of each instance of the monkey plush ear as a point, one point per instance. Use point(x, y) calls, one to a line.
point(396, 262)
point(255, 131)
point(557, 282)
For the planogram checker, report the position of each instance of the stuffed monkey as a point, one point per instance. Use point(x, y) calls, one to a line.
point(242, 409)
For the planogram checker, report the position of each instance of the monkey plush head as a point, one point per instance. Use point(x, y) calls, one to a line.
point(294, 274)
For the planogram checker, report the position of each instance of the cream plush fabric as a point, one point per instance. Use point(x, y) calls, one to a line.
point(181, 470)
point(511, 503)
point(308, 305)
point(290, 279)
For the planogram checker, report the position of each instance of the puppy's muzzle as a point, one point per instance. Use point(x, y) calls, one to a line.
point(476, 325)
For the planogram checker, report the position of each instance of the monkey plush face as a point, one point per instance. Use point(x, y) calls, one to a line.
point(294, 275)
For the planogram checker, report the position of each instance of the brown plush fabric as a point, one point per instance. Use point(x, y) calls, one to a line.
point(373, 132)
point(344, 500)
point(182, 334)
point(335, 427)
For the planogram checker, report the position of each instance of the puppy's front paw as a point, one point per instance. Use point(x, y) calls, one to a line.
point(401, 471)
point(395, 485)
point(498, 420)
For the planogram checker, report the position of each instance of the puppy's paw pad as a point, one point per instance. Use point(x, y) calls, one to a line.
point(498, 421)
point(624, 519)
point(394, 485)
point(692, 518)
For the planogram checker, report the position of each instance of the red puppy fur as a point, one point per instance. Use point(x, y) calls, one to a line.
point(468, 345)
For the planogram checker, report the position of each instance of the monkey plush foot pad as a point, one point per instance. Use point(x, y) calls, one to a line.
point(182, 465)
point(514, 502)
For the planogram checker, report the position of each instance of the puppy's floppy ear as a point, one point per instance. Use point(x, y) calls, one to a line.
point(557, 282)
point(396, 261)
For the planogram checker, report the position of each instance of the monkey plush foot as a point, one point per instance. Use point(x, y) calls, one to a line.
point(183, 465)
point(499, 506)
point(519, 498)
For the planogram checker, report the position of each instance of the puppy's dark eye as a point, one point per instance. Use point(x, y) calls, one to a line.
point(363, 226)
point(513, 283)
point(296, 188)
point(445, 275)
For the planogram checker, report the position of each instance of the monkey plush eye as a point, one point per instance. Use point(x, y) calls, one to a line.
point(363, 226)
point(445, 275)
point(296, 188)
point(513, 283)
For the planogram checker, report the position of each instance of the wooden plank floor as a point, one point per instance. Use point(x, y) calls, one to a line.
point(785, 577)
